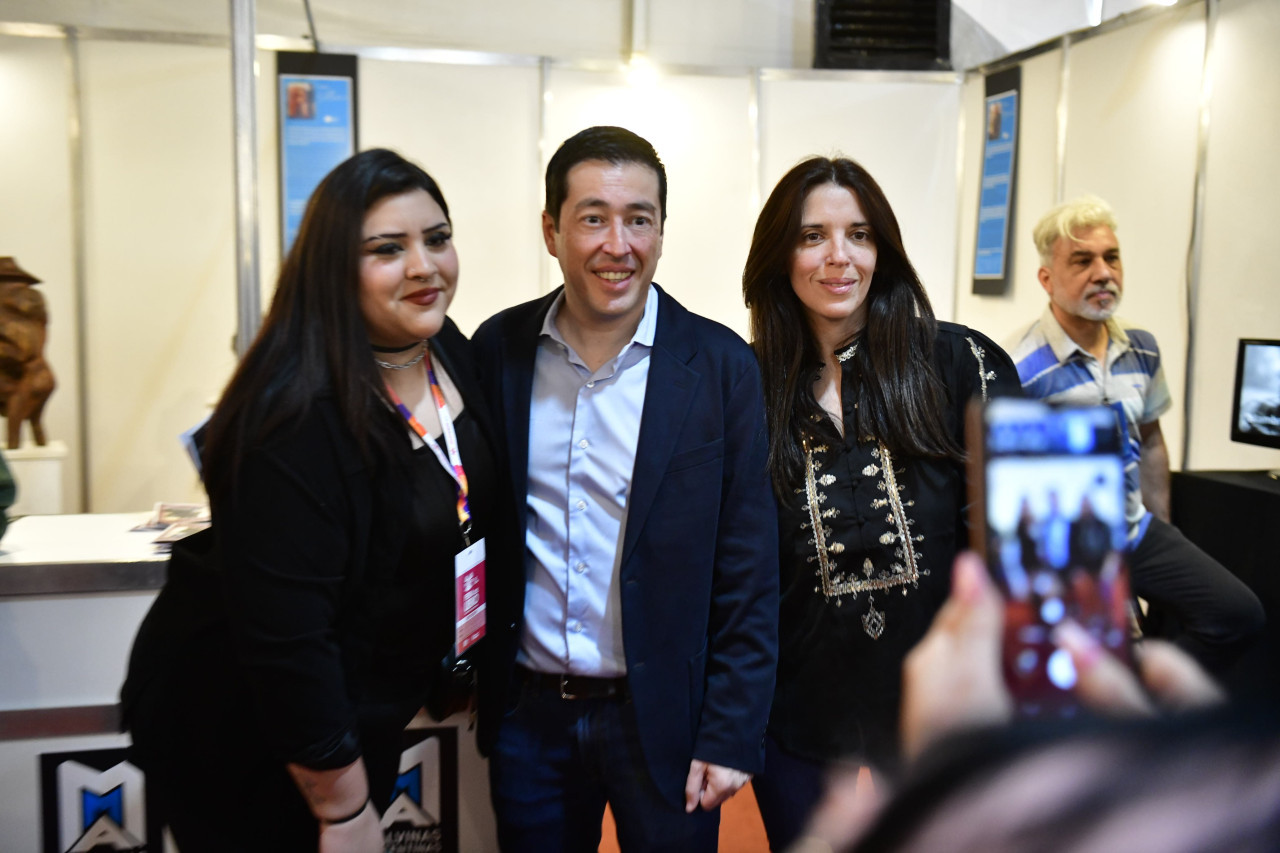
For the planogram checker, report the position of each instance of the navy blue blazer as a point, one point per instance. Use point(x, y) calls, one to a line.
point(699, 568)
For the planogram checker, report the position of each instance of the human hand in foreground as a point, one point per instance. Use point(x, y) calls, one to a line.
point(709, 785)
point(339, 800)
point(1170, 678)
point(361, 834)
point(952, 678)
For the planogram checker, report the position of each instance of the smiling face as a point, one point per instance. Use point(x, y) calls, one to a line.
point(608, 240)
point(408, 269)
point(832, 263)
point(1085, 278)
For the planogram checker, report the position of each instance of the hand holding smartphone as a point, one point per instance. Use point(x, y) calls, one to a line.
point(1047, 513)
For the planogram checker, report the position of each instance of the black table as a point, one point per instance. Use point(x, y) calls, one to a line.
point(1234, 516)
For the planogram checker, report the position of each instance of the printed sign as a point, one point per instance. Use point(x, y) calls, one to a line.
point(95, 801)
point(991, 262)
point(317, 119)
point(423, 815)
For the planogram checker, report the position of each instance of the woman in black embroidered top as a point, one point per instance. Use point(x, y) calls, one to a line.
point(865, 393)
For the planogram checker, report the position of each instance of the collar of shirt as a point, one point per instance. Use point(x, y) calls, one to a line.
point(644, 332)
point(1062, 344)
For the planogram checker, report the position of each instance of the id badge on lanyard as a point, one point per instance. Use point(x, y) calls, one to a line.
point(468, 564)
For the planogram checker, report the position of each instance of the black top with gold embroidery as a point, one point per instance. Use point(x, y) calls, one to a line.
point(866, 551)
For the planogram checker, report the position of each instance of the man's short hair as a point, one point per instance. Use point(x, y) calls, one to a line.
point(615, 145)
point(1087, 211)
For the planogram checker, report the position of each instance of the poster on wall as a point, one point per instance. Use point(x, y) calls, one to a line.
point(993, 255)
point(95, 800)
point(423, 815)
point(316, 109)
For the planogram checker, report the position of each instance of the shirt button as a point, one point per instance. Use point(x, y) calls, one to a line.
point(575, 626)
point(591, 383)
point(584, 444)
point(580, 568)
point(582, 504)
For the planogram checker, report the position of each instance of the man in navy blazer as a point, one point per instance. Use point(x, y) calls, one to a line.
point(638, 655)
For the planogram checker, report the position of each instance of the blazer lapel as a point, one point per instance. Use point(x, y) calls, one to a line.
point(520, 349)
point(668, 397)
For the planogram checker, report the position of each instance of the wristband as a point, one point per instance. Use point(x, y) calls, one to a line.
point(355, 814)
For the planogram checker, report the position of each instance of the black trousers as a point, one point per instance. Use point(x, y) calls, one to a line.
point(1195, 601)
point(212, 778)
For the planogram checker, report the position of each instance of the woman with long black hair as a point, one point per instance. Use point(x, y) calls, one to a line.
point(348, 465)
point(865, 393)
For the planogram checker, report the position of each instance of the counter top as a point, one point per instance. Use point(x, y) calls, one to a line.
point(76, 554)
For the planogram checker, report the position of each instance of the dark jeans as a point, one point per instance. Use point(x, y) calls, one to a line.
point(787, 792)
point(1194, 600)
point(558, 761)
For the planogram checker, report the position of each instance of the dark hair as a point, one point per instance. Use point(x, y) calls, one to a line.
point(314, 338)
point(615, 145)
point(1092, 779)
point(900, 398)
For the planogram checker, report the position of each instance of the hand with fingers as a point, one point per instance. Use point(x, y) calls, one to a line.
point(709, 785)
point(952, 679)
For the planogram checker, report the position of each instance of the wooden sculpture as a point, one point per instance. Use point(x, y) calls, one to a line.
point(25, 378)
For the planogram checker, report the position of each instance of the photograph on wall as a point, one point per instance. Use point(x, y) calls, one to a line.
point(317, 124)
point(992, 262)
point(95, 800)
point(423, 815)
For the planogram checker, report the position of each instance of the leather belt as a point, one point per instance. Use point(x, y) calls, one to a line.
point(576, 686)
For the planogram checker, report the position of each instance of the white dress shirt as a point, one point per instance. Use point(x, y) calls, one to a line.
point(583, 428)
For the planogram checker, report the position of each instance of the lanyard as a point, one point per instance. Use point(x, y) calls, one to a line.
point(453, 462)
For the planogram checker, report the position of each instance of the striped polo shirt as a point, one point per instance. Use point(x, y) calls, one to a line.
point(1056, 369)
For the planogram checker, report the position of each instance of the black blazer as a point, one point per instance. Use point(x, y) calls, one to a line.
point(305, 550)
point(699, 568)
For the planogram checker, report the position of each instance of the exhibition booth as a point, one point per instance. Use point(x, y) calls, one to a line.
point(120, 177)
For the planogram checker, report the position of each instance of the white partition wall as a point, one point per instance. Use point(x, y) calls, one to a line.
point(159, 255)
point(158, 244)
point(902, 132)
point(1239, 289)
point(37, 217)
point(700, 126)
point(475, 130)
point(1000, 316)
point(1132, 113)
point(1132, 118)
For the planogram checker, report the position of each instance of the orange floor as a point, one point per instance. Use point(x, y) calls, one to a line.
point(742, 831)
point(740, 828)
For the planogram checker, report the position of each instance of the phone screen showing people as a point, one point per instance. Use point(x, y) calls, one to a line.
point(1052, 499)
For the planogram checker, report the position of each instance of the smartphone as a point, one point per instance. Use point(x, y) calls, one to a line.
point(1047, 513)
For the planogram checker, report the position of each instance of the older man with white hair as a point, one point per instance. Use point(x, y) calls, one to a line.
point(1079, 353)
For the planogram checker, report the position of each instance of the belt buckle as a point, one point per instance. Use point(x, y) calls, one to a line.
point(564, 683)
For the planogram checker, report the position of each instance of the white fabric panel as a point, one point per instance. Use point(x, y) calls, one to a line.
point(904, 134)
point(36, 219)
point(700, 129)
point(1239, 293)
point(769, 33)
point(475, 130)
point(570, 29)
point(1000, 316)
point(160, 255)
point(1133, 114)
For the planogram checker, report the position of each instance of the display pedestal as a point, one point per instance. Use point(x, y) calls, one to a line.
point(38, 473)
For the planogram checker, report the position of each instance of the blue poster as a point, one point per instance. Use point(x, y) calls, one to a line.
point(317, 132)
point(996, 195)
